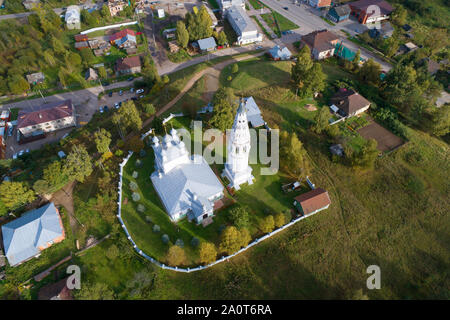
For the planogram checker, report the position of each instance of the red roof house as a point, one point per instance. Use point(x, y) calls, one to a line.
point(370, 11)
point(312, 201)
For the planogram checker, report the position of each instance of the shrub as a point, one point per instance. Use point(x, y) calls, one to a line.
point(245, 237)
point(113, 252)
point(175, 256)
point(267, 224)
point(230, 78)
point(230, 240)
point(148, 219)
point(156, 228)
point(165, 238)
point(136, 197)
point(239, 217)
point(279, 219)
point(135, 174)
point(118, 153)
point(179, 243)
point(207, 252)
point(141, 208)
point(195, 242)
point(234, 68)
point(133, 186)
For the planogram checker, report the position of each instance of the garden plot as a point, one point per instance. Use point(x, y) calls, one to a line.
point(387, 141)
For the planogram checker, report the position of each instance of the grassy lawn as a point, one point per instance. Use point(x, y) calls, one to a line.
point(256, 73)
point(283, 23)
point(256, 4)
point(269, 19)
point(179, 56)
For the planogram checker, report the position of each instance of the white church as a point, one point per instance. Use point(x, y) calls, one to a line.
point(185, 184)
point(237, 170)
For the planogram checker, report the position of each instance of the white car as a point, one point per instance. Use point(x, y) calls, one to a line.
point(139, 91)
point(21, 152)
point(116, 105)
point(101, 109)
point(14, 156)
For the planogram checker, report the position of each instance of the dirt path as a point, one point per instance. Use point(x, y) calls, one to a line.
point(64, 198)
point(212, 73)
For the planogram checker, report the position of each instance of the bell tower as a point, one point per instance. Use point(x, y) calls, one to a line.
point(237, 169)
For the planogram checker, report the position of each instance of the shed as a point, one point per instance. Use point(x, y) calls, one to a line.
point(91, 75)
point(312, 201)
point(207, 44)
point(61, 154)
point(337, 149)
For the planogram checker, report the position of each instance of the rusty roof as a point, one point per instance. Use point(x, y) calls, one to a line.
point(128, 63)
point(320, 40)
point(313, 200)
point(45, 113)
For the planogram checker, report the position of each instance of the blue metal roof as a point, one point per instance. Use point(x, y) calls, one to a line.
point(207, 43)
point(23, 236)
point(280, 53)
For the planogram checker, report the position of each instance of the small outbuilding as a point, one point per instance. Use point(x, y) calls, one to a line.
point(280, 53)
point(72, 17)
point(339, 13)
point(312, 201)
point(35, 78)
point(91, 75)
point(207, 44)
point(337, 149)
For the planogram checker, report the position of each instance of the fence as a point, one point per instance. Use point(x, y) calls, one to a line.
point(187, 270)
point(109, 27)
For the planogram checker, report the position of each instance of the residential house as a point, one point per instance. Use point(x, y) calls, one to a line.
point(207, 44)
point(35, 78)
point(115, 6)
point(370, 11)
point(46, 118)
point(185, 184)
point(56, 291)
point(31, 4)
point(243, 26)
point(280, 53)
point(81, 37)
point(322, 43)
point(128, 65)
point(339, 14)
point(125, 38)
point(312, 201)
point(386, 31)
point(81, 45)
point(91, 75)
point(72, 17)
point(320, 3)
point(161, 13)
point(349, 102)
point(227, 4)
point(27, 236)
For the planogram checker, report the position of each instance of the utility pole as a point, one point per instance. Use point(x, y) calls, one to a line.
point(42, 95)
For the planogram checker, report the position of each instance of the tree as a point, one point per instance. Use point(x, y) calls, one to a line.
point(402, 88)
point(78, 164)
point(199, 24)
point(87, 56)
point(182, 34)
point(399, 15)
point(15, 194)
point(55, 176)
point(176, 256)
point(245, 237)
point(96, 291)
point(307, 75)
point(135, 144)
point(321, 120)
point(207, 252)
point(267, 224)
point(57, 45)
point(366, 157)
point(74, 58)
point(293, 156)
point(234, 68)
point(149, 109)
point(129, 116)
point(105, 13)
point(356, 60)
point(239, 217)
point(279, 219)
point(102, 72)
point(102, 140)
point(230, 240)
point(222, 38)
point(437, 120)
point(224, 109)
point(18, 85)
point(370, 72)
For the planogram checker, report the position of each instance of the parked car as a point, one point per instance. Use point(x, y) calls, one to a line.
point(105, 108)
point(130, 79)
point(110, 94)
point(286, 8)
point(141, 96)
point(120, 103)
point(21, 152)
point(139, 91)
point(133, 98)
point(132, 90)
point(120, 92)
point(101, 110)
point(258, 47)
point(116, 105)
point(14, 156)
